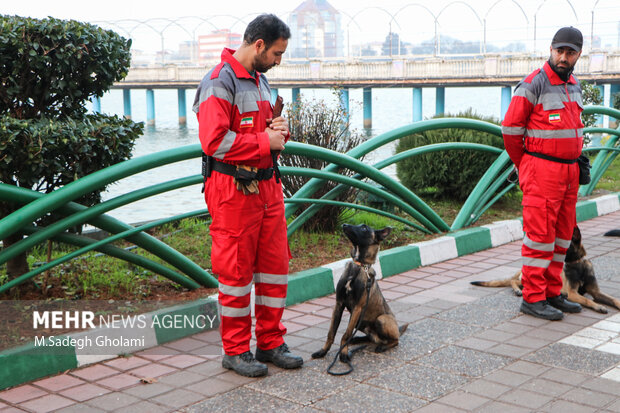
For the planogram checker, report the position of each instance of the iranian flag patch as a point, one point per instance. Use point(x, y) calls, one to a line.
point(554, 117)
point(249, 122)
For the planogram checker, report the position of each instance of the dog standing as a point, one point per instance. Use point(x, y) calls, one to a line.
point(357, 290)
point(577, 279)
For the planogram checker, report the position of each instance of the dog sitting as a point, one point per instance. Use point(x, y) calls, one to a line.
point(357, 290)
point(577, 279)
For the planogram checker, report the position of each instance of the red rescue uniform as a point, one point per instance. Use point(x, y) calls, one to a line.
point(248, 232)
point(544, 117)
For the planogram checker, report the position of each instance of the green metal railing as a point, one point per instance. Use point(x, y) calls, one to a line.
point(415, 212)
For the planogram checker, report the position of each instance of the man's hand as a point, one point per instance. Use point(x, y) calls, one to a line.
point(276, 139)
point(279, 124)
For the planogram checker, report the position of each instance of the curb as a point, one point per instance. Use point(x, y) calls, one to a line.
point(30, 362)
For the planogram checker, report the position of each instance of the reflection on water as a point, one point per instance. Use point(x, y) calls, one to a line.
point(392, 108)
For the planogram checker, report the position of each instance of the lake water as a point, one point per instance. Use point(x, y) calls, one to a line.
point(392, 108)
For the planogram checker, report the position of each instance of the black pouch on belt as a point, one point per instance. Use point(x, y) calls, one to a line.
point(584, 170)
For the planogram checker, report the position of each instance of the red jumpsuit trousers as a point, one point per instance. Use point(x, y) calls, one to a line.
point(549, 199)
point(249, 243)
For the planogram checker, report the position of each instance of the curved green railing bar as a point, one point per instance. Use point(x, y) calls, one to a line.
point(180, 280)
point(23, 196)
point(299, 221)
point(426, 215)
point(439, 123)
point(604, 157)
point(351, 206)
point(314, 173)
point(174, 257)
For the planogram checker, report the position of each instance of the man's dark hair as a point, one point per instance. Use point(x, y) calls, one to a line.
point(267, 27)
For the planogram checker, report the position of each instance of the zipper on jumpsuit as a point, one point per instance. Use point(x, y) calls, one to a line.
point(569, 101)
point(260, 99)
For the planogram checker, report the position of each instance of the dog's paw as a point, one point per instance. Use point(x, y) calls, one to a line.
point(319, 354)
point(602, 310)
point(519, 293)
point(380, 349)
point(345, 357)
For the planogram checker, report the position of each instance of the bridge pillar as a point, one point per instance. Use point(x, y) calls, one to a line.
point(506, 97)
point(440, 100)
point(367, 108)
point(295, 91)
point(96, 104)
point(599, 118)
point(344, 102)
point(274, 95)
point(614, 92)
point(417, 104)
point(127, 103)
point(150, 107)
point(182, 107)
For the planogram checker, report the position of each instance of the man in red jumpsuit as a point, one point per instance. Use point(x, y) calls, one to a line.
point(543, 135)
point(245, 201)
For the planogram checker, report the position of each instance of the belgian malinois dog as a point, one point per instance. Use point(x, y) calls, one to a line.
point(577, 279)
point(358, 292)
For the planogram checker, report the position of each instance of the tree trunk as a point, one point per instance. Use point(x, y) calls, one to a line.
point(18, 265)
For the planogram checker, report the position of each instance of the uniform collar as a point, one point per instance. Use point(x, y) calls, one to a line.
point(554, 79)
point(240, 71)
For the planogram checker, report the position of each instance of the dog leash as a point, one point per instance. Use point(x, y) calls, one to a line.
point(348, 362)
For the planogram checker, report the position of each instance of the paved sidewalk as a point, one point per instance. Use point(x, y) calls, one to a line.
point(467, 348)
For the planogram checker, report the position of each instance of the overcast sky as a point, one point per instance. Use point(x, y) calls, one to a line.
point(506, 20)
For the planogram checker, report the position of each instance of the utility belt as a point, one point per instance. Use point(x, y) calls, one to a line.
point(583, 161)
point(242, 174)
point(550, 158)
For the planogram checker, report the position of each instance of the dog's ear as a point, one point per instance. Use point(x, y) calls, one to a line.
point(576, 235)
point(382, 234)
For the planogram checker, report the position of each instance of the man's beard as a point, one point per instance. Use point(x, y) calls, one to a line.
point(563, 72)
point(260, 65)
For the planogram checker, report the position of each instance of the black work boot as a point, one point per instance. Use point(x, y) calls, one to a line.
point(244, 364)
point(280, 356)
point(541, 309)
point(561, 303)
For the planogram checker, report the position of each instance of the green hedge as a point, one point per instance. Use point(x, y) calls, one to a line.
point(447, 174)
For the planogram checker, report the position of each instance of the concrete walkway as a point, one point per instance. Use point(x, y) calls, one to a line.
point(467, 349)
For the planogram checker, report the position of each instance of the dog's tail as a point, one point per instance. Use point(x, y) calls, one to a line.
point(403, 328)
point(613, 233)
point(494, 283)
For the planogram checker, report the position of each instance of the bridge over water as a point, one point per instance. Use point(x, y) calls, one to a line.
point(412, 71)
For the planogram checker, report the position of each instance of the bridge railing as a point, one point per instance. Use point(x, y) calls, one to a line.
point(413, 210)
point(397, 67)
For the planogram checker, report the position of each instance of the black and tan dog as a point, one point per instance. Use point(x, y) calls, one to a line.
point(577, 279)
point(357, 290)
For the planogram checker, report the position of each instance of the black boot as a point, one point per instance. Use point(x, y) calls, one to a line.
point(541, 309)
point(280, 356)
point(244, 364)
point(561, 303)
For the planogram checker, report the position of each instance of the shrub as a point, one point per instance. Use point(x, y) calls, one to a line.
point(447, 174)
point(323, 124)
point(48, 69)
point(591, 96)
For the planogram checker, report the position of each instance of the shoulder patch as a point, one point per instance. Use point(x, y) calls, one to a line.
point(216, 70)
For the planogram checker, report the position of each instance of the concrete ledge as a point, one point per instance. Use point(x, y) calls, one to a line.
point(29, 362)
